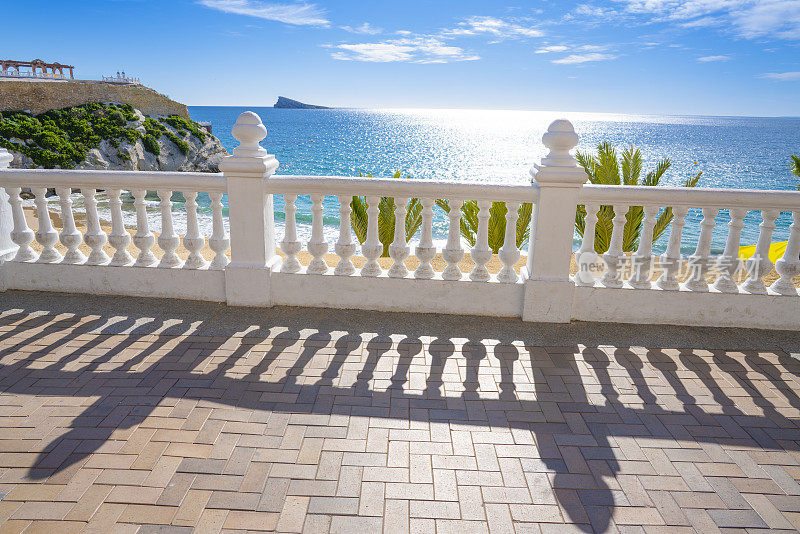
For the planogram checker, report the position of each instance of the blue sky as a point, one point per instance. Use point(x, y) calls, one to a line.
point(706, 57)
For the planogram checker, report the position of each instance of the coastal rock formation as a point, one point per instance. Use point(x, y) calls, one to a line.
point(108, 137)
point(288, 103)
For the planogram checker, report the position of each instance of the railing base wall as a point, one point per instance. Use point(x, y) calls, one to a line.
point(547, 301)
point(397, 294)
point(106, 280)
point(686, 308)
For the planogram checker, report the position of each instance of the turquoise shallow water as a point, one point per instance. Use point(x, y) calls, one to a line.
point(501, 146)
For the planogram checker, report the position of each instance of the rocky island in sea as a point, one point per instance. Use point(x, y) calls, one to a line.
point(288, 103)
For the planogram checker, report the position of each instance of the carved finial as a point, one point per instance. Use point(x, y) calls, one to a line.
point(5, 158)
point(560, 138)
point(249, 131)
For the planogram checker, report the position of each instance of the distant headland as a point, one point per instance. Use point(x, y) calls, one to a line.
point(288, 103)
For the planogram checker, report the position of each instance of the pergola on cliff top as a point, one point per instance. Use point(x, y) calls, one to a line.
point(38, 69)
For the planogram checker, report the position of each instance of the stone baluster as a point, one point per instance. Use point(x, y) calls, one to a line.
point(728, 264)
point(70, 236)
point(46, 235)
point(194, 241)
point(317, 246)
point(509, 252)
point(453, 253)
point(642, 259)
point(425, 251)
point(789, 265)
point(372, 248)
point(615, 257)
point(399, 249)
point(119, 237)
point(670, 261)
point(21, 235)
point(586, 278)
point(7, 246)
point(168, 240)
point(481, 253)
point(759, 265)
point(95, 237)
point(345, 246)
point(143, 238)
point(290, 245)
point(700, 261)
point(219, 241)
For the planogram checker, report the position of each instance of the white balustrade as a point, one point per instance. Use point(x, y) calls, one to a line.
point(759, 265)
point(509, 253)
point(425, 251)
point(317, 246)
point(119, 238)
point(399, 249)
point(290, 245)
point(481, 253)
point(642, 259)
point(194, 241)
point(143, 239)
point(372, 247)
point(70, 237)
point(219, 241)
point(46, 235)
point(615, 257)
point(728, 263)
point(544, 293)
point(453, 253)
point(788, 266)
point(345, 246)
point(671, 259)
point(21, 235)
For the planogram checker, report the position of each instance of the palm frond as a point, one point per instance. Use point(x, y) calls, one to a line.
point(631, 166)
point(795, 166)
point(358, 218)
point(654, 177)
point(607, 169)
point(524, 224)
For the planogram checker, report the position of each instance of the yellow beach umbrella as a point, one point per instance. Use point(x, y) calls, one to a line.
point(776, 251)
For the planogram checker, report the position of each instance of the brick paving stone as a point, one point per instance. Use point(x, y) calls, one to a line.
point(296, 432)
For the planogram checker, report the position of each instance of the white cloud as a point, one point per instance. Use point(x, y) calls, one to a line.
point(500, 28)
point(552, 48)
point(297, 13)
point(420, 49)
point(364, 29)
point(709, 59)
point(594, 12)
point(574, 59)
point(748, 18)
point(781, 76)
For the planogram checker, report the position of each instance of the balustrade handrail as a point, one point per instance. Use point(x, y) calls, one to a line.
point(100, 179)
point(692, 197)
point(387, 187)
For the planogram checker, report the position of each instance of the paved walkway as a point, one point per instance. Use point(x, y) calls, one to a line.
point(140, 415)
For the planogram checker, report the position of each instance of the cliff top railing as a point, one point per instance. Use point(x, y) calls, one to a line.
point(85, 254)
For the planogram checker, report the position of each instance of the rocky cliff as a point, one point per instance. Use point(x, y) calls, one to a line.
point(108, 136)
point(288, 103)
point(39, 96)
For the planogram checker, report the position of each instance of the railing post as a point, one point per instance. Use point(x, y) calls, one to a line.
point(548, 287)
point(252, 235)
point(7, 247)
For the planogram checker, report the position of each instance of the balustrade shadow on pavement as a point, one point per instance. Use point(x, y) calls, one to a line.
point(566, 401)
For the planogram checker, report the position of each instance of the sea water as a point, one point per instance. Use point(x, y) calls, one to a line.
point(500, 147)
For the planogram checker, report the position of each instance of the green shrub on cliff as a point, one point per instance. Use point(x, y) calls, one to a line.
point(150, 144)
point(63, 137)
